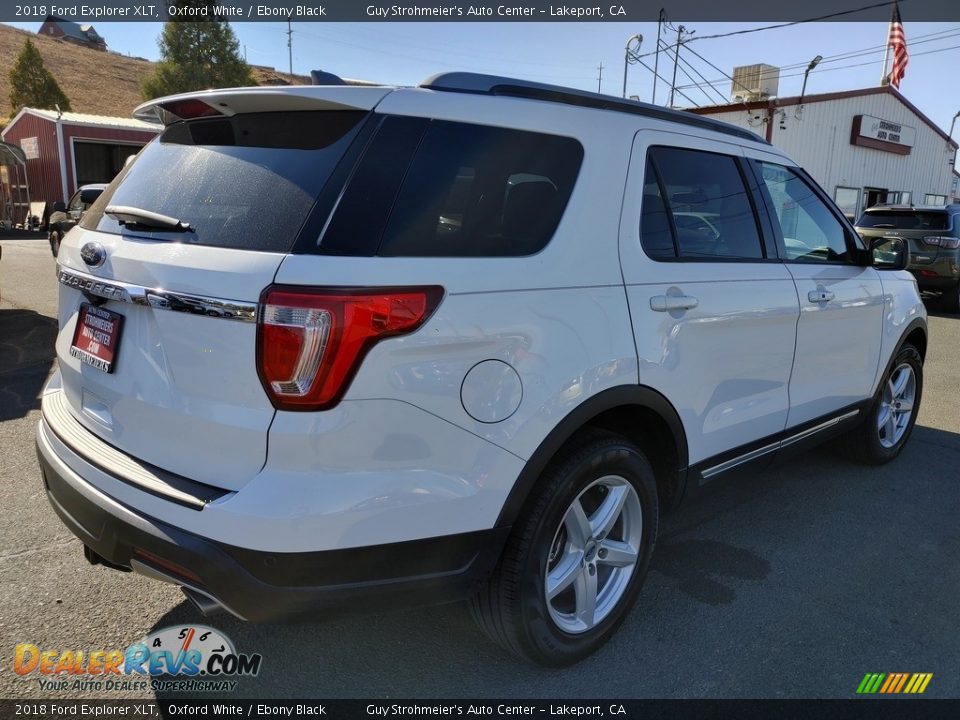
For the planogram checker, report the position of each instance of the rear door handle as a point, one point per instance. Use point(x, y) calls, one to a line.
point(820, 296)
point(665, 303)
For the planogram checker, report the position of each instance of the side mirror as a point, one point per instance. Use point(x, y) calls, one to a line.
point(889, 253)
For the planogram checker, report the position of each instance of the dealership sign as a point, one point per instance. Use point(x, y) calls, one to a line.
point(879, 134)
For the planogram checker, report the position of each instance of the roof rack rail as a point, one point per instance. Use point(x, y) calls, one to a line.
point(480, 84)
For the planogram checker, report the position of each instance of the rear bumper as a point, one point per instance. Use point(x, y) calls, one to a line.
point(261, 585)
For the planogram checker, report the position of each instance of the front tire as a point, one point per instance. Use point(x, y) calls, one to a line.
point(55, 243)
point(576, 560)
point(887, 427)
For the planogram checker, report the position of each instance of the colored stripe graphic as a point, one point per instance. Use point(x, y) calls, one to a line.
point(894, 683)
point(871, 683)
point(903, 680)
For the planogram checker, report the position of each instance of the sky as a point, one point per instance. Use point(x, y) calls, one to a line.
point(571, 53)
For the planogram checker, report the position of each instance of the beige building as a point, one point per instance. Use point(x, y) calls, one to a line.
point(862, 146)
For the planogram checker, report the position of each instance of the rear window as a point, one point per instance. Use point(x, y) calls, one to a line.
point(904, 220)
point(448, 189)
point(245, 182)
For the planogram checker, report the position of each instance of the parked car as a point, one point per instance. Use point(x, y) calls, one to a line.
point(66, 216)
point(358, 345)
point(933, 234)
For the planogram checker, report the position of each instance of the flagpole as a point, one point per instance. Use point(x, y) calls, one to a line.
point(886, 60)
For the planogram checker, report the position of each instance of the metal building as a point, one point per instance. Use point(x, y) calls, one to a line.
point(66, 150)
point(862, 146)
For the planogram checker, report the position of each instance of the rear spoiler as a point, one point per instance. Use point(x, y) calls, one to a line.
point(211, 103)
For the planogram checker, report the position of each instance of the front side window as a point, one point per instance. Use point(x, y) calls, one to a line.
point(811, 232)
point(696, 206)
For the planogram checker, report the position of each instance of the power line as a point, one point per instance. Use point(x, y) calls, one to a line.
point(643, 64)
point(944, 35)
point(710, 84)
point(787, 24)
point(852, 65)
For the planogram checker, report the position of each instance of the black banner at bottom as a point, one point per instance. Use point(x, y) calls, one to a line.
point(854, 709)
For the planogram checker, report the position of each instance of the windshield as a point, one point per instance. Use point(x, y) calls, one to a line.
point(904, 220)
point(244, 182)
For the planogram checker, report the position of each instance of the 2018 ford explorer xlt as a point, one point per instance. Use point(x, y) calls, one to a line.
point(326, 345)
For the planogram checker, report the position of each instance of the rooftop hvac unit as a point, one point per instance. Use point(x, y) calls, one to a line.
point(755, 82)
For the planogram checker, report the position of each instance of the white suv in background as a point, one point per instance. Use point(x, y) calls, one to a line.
point(353, 345)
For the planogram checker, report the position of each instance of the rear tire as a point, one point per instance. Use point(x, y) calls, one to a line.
point(588, 534)
point(884, 432)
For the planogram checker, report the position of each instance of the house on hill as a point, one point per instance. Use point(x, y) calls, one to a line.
point(60, 29)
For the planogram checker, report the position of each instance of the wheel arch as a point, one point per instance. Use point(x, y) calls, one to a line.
point(642, 415)
point(915, 334)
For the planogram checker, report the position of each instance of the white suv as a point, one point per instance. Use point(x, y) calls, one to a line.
point(344, 345)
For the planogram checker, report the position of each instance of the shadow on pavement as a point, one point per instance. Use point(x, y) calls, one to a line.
point(26, 356)
point(801, 551)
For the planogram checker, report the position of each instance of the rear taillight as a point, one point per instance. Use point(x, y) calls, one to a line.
point(947, 243)
point(310, 341)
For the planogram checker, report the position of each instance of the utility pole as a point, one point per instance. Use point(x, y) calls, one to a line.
point(290, 48)
point(600, 77)
point(656, 57)
point(676, 58)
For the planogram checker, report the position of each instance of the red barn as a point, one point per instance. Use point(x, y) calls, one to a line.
point(66, 150)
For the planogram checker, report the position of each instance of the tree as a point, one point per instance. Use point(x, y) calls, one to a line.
point(197, 54)
point(32, 85)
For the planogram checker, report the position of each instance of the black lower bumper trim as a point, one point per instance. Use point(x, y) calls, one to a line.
point(266, 586)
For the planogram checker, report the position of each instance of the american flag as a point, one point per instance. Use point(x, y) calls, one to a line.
point(898, 41)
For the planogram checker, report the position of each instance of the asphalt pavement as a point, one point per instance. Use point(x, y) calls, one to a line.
point(793, 582)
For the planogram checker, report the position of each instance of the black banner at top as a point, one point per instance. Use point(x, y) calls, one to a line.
point(498, 11)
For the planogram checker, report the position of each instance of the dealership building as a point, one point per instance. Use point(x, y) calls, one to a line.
point(863, 146)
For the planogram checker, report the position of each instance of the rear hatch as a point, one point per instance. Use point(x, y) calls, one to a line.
point(922, 228)
point(164, 273)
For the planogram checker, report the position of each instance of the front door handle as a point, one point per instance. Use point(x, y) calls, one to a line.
point(820, 296)
point(665, 303)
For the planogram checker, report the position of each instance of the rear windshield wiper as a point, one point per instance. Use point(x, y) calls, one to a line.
point(876, 225)
point(127, 215)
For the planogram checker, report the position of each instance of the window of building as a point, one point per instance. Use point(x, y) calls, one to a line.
point(811, 232)
point(848, 200)
point(696, 205)
point(934, 199)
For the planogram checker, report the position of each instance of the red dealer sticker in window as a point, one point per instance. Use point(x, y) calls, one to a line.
point(97, 337)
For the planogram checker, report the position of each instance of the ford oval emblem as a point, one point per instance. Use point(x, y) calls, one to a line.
point(93, 254)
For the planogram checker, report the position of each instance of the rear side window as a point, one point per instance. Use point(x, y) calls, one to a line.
point(467, 191)
point(245, 182)
point(904, 220)
point(696, 206)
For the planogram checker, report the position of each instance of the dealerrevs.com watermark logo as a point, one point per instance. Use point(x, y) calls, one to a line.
point(190, 658)
point(894, 683)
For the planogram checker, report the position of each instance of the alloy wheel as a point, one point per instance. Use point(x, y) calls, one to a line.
point(593, 555)
point(896, 405)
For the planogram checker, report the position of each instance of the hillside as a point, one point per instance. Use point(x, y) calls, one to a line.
point(102, 83)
